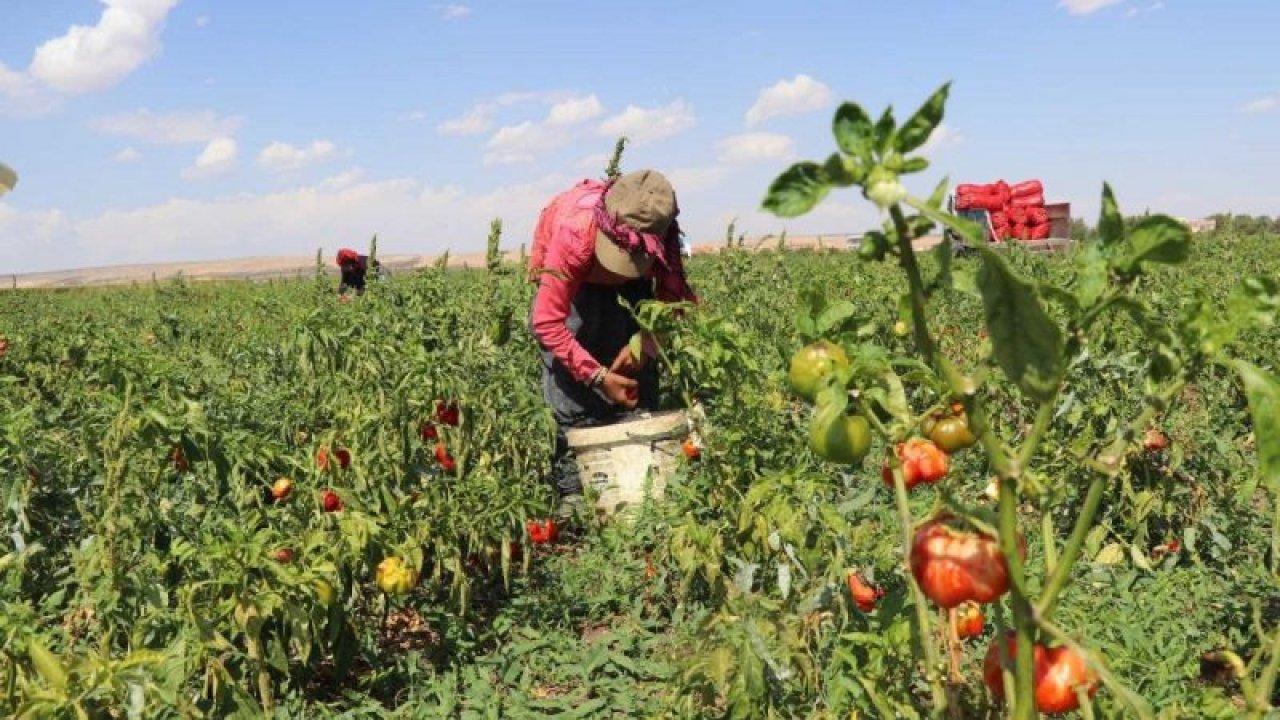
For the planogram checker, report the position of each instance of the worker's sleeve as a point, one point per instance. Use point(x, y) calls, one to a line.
point(568, 260)
point(541, 239)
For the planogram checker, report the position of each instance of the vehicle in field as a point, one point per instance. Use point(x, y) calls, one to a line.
point(1016, 213)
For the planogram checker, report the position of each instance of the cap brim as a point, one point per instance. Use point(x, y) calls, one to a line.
point(8, 179)
point(619, 261)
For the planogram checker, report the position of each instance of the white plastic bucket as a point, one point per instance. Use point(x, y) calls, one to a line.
point(626, 462)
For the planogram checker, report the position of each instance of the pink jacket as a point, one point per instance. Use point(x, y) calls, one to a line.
point(564, 253)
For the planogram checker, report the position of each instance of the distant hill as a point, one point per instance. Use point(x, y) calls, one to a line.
point(262, 268)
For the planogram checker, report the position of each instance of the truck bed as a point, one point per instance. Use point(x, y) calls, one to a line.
point(1059, 229)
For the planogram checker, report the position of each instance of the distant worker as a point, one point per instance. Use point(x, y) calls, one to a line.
point(594, 245)
point(354, 267)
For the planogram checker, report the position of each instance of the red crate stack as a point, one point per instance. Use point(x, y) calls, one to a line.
point(1016, 211)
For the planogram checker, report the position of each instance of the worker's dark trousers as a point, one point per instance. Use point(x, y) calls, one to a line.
point(602, 326)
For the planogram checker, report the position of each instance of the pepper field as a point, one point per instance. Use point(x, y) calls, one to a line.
point(142, 429)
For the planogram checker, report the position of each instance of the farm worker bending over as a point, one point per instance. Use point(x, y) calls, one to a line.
point(594, 244)
point(354, 267)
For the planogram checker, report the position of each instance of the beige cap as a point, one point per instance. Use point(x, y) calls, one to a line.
point(8, 178)
point(644, 201)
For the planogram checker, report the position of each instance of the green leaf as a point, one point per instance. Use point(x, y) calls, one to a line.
point(965, 279)
point(796, 191)
point(1110, 223)
point(892, 396)
point(47, 665)
point(971, 232)
point(1055, 294)
point(834, 315)
point(853, 130)
point(1139, 558)
point(884, 131)
point(1112, 554)
point(1159, 239)
point(942, 254)
point(1091, 274)
point(841, 171)
point(916, 131)
point(912, 165)
point(874, 245)
point(1255, 302)
point(1263, 392)
point(1025, 341)
point(939, 194)
point(584, 710)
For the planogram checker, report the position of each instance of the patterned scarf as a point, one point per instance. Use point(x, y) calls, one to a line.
point(664, 249)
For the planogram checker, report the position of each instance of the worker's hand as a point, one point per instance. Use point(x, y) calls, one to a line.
point(626, 363)
point(621, 390)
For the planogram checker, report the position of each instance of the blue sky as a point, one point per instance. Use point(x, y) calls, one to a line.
point(167, 130)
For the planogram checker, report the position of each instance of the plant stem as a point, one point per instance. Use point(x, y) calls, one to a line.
point(921, 602)
point(1008, 469)
point(1061, 571)
point(1044, 417)
point(907, 258)
point(264, 676)
point(1275, 537)
point(1108, 466)
point(1261, 700)
point(1049, 538)
point(1023, 617)
point(920, 331)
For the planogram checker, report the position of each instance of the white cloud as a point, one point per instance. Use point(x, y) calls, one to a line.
point(690, 180)
point(519, 143)
point(34, 230)
point(575, 110)
point(943, 136)
point(217, 158)
point(14, 82)
point(203, 21)
point(594, 163)
point(480, 117)
point(92, 58)
point(756, 147)
point(344, 179)
point(283, 157)
point(1086, 7)
point(453, 12)
point(22, 96)
point(1264, 104)
point(414, 116)
point(646, 125)
point(176, 128)
point(1136, 11)
point(473, 122)
point(290, 222)
point(797, 96)
point(522, 143)
point(129, 154)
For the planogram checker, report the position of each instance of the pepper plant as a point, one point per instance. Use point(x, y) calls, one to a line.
point(1039, 334)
